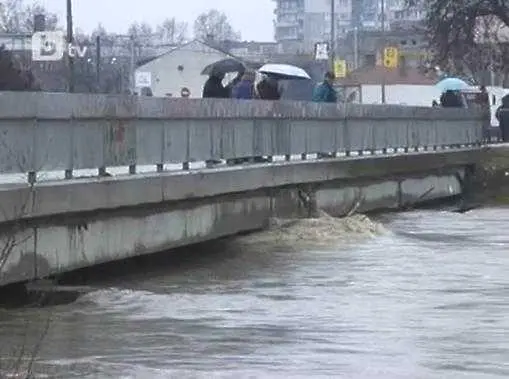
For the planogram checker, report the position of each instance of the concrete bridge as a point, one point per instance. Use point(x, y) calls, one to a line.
point(90, 179)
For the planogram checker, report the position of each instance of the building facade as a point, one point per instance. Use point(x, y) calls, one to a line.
point(299, 24)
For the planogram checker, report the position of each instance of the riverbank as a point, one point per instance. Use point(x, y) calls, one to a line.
point(491, 179)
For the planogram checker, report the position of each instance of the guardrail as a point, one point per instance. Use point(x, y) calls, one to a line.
point(50, 132)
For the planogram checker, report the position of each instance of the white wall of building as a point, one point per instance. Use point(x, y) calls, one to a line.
point(166, 76)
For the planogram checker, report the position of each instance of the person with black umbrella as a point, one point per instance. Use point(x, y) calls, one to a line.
point(214, 88)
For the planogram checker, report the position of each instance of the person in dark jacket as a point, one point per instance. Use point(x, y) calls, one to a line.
point(502, 116)
point(245, 88)
point(483, 103)
point(451, 99)
point(267, 89)
point(325, 92)
point(214, 88)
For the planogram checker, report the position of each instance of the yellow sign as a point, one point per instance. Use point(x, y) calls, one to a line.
point(340, 68)
point(391, 57)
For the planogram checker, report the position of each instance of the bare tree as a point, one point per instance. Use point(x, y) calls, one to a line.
point(216, 26)
point(465, 35)
point(141, 33)
point(172, 32)
point(16, 16)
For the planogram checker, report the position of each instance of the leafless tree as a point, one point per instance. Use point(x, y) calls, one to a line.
point(17, 16)
point(215, 25)
point(172, 31)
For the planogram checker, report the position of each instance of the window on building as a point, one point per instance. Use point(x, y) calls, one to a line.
point(370, 60)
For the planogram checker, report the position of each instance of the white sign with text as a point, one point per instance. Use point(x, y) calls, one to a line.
point(142, 79)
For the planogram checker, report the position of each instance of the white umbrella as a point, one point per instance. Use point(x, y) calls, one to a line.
point(284, 71)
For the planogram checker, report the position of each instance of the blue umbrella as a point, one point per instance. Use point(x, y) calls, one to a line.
point(452, 84)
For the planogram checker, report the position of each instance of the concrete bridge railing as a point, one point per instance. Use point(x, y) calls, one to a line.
point(49, 132)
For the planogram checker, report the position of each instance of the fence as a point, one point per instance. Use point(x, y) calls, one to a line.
point(49, 132)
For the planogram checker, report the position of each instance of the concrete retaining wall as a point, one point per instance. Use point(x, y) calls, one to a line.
point(45, 132)
point(53, 227)
point(59, 241)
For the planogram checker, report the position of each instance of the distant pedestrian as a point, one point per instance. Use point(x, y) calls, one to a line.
point(483, 102)
point(245, 88)
point(451, 99)
point(267, 89)
point(502, 116)
point(214, 88)
point(435, 104)
point(325, 92)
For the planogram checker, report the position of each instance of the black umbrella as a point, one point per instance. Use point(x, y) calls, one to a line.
point(224, 66)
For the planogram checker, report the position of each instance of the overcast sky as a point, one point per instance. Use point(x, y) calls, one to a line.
point(253, 18)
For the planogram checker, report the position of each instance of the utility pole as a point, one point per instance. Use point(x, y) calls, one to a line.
point(382, 24)
point(332, 47)
point(70, 38)
point(355, 48)
point(132, 73)
point(98, 63)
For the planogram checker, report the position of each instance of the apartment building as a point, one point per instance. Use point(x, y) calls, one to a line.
point(299, 24)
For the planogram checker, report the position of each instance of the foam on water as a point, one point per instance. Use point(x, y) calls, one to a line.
point(321, 232)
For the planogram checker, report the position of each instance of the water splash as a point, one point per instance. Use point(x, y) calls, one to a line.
point(323, 231)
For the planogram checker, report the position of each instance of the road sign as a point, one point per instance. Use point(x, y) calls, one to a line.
point(143, 79)
point(340, 68)
point(391, 57)
point(321, 51)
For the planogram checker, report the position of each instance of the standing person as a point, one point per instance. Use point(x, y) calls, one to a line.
point(267, 89)
point(451, 99)
point(483, 101)
point(502, 116)
point(214, 88)
point(325, 92)
point(245, 88)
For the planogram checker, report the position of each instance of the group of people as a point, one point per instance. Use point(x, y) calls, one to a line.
point(456, 99)
point(242, 87)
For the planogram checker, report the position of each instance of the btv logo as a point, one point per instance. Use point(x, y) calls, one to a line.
point(51, 46)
